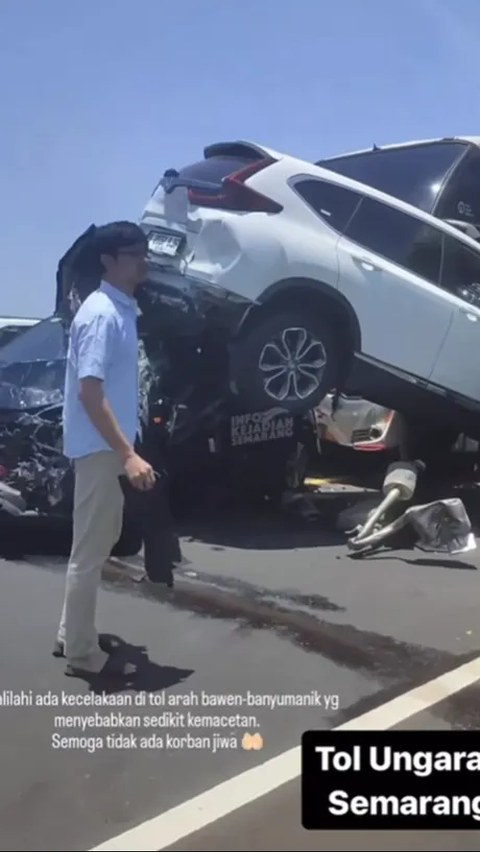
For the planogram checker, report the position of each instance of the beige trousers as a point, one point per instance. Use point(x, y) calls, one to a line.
point(97, 525)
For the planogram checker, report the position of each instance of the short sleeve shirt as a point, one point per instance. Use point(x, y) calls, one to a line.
point(103, 344)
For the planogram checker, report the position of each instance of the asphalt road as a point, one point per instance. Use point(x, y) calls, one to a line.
point(263, 607)
point(271, 823)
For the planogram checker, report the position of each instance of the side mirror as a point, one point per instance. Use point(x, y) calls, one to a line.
point(468, 229)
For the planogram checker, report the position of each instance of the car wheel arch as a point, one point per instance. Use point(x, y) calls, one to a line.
point(287, 291)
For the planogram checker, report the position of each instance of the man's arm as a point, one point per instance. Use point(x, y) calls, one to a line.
point(96, 405)
point(93, 357)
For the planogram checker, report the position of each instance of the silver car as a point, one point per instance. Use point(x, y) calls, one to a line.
point(362, 425)
point(358, 423)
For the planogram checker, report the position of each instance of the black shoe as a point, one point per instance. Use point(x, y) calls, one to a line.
point(104, 644)
point(116, 666)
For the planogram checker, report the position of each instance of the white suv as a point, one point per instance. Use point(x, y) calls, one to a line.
point(317, 279)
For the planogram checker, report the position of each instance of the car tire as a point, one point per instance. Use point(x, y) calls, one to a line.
point(254, 357)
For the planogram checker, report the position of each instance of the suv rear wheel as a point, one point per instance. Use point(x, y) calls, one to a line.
point(289, 359)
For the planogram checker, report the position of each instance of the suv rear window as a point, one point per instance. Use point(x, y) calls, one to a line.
point(413, 173)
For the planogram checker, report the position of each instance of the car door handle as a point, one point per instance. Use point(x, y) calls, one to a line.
point(469, 314)
point(366, 263)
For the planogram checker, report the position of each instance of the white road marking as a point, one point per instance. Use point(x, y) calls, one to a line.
point(191, 816)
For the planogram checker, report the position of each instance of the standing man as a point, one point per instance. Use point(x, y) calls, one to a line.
point(100, 420)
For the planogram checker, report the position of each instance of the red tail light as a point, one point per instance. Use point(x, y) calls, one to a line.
point(235, 196)
point(370, 447)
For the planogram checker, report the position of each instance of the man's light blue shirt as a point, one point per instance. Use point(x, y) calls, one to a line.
point(103, 344)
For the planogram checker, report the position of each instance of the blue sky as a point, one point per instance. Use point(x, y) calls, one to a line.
point(98, 97)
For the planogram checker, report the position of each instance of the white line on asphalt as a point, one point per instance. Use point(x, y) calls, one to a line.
point(191, 816)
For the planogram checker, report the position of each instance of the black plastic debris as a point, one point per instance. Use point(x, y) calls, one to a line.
point(149, 511)
point(443, 526)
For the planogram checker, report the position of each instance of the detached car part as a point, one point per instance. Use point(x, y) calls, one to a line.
point(399, 485)
point(441, 526)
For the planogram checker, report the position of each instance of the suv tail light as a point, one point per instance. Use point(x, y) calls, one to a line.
point(233, 194)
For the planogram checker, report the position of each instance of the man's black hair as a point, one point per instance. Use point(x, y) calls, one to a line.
point(110, 239)
point(81, 266)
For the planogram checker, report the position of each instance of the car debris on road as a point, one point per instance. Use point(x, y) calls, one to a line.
point(441, 526)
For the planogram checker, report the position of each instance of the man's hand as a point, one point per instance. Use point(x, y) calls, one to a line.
point(139, 472)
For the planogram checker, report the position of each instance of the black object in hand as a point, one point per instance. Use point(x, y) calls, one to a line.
point(150, 513)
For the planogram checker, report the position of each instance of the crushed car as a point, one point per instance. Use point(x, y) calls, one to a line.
point(183, 399)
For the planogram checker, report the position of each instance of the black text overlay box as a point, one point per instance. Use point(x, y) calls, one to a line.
point(391, 780)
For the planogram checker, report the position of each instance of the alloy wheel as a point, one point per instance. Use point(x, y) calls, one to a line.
point(292, 365)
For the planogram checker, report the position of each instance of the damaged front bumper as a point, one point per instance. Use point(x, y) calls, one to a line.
point(254, 449)
point(32, 463)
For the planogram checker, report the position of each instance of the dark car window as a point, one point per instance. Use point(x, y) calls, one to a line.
point(333, 203)
point(214, 169)
point(461, 271)
point(461, 199)
point(401, 238)
point(413, 173)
